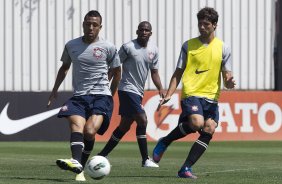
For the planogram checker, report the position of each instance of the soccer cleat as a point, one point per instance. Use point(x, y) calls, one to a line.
point(80, 177)
point(70, 164)
point(186, 172)
point(159, 151)
point(149, 163)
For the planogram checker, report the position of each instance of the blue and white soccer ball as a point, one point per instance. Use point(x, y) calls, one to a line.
point(97, 167)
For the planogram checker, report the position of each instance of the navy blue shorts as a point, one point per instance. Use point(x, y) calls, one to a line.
point(130, 104)
point(88, 105)
point(195, 105)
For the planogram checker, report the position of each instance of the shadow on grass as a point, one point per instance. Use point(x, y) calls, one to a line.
point(38, 179)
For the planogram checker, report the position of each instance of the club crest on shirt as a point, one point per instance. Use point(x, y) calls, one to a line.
point(151, 55)
point(99, 53)
point(194, 108)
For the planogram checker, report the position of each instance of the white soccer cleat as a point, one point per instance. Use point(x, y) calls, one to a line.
point(80, 177)
point(150, 163)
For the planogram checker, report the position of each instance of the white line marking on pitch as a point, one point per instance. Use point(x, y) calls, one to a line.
point(231, 170)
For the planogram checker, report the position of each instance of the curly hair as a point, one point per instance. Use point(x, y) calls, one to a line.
point(209, 14)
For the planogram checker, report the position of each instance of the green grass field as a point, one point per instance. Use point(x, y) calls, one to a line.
point(223, 163)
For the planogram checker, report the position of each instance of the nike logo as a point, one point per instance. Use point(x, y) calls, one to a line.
point(9, 126)
point(201, 71)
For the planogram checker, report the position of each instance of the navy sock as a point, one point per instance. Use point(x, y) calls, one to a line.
point(142, 142)
point(88, 147)
point(113, 141)
point(198, 148)
point(76, 144)
point(178, 132)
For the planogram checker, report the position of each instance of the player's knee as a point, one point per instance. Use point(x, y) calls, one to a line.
point(90, 132)
point(210, 127)
point(141, 130)
point(141, 119)
point(196, 122)
point(142, 123)
point(76, 127)
point(197, 125)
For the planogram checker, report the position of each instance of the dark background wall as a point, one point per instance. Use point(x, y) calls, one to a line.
point(29, 104)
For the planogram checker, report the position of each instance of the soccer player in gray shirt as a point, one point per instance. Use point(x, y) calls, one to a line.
point(90, 109)
point(137, 57)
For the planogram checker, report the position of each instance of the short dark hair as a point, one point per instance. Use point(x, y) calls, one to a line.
point(209, 14)
point(93, 13)
point(145, 22)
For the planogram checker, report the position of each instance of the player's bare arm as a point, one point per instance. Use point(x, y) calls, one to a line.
point(60, 78)
point(228, 80)
point(174, 81)
point(116, 76)
point(157, 81)
point(110, 74)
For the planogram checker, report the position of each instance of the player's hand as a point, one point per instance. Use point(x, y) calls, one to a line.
point(230, 83)
point(52, 97)
point(162, 93)
point(163, 101)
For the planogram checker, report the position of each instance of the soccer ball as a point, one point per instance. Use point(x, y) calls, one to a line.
point(98, 167)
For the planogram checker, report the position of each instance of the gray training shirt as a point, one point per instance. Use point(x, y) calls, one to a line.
point(136, 63)
point(91, 63)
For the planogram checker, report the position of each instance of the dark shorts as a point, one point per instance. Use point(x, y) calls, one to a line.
point(195, 105)
point(130, 104)
point(88, 105)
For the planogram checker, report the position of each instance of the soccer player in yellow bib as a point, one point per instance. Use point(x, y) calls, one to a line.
point(201, 62)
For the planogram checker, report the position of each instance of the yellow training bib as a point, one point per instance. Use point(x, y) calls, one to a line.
point(202, 73)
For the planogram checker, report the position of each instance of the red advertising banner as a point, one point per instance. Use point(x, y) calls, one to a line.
point(244, 115)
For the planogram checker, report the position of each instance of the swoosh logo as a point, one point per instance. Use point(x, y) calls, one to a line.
point(9, 126)
point(201, 71)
